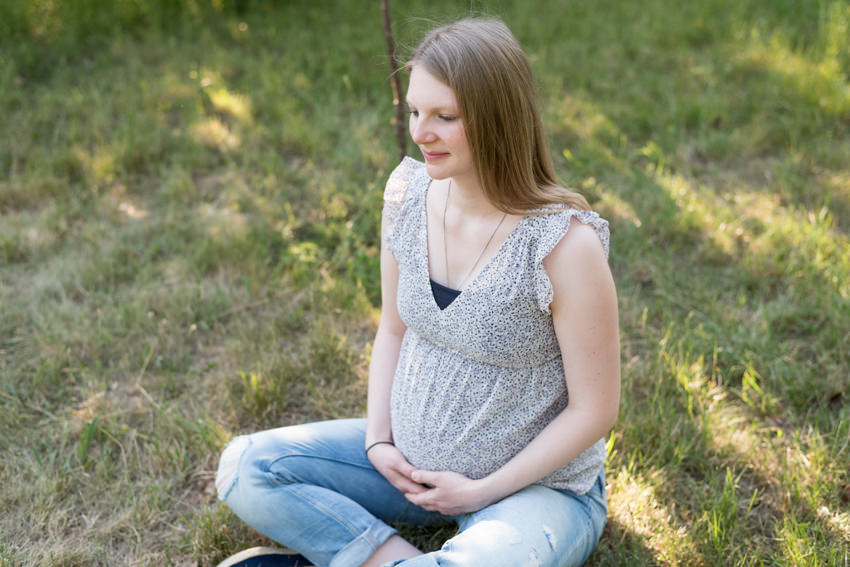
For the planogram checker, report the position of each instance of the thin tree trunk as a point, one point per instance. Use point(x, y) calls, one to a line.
point(400, 134)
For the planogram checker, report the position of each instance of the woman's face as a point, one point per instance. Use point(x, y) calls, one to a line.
point(436, 126)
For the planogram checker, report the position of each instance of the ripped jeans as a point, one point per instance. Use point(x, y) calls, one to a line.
point(311, 488)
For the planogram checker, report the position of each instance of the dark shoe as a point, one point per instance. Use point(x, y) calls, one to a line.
point(266, 557)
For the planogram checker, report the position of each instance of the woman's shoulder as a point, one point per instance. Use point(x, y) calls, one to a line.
point(404, 174)
point(555, 222)
point(407, 169)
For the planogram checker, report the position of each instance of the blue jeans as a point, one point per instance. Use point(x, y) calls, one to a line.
point(311, 488)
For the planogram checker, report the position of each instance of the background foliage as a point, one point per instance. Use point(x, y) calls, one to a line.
point(190, 195)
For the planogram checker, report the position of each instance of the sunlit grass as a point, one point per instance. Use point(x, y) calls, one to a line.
point(638, 513)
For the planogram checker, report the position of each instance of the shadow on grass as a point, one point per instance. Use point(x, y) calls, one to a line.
point(757, 333)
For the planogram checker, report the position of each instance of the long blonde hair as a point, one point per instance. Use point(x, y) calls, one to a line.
point(483, 63)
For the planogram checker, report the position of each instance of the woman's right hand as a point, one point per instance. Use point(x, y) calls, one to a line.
point(394, 467)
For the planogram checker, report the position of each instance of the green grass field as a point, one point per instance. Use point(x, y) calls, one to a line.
point(190, 198)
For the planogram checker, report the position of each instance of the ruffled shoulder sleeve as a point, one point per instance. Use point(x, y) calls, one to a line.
point(394, 195)
point(552, 228)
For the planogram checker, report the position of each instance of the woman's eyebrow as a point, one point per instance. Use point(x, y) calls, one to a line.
point(440, 107)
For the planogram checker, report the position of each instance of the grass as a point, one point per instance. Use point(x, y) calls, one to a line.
point(190, 195)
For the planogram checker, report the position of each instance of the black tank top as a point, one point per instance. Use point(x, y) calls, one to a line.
point(443, 295)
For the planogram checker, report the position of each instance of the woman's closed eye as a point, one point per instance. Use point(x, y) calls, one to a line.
point(443, 117)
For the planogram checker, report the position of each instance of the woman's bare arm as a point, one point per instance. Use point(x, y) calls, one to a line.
point(385, 352)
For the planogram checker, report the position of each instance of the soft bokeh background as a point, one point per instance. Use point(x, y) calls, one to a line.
point(190, 196)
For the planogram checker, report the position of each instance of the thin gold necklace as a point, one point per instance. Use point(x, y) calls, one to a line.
point(446, 246)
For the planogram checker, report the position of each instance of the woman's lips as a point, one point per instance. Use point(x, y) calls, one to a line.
point(433, 156)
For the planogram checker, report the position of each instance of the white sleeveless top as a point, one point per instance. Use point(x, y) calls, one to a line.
point(477, 381)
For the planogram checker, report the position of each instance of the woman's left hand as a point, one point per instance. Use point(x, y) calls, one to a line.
point(451, 494)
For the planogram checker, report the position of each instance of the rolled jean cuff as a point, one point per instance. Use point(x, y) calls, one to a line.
point(363, 546)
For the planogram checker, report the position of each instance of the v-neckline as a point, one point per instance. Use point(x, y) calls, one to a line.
point(426, 252)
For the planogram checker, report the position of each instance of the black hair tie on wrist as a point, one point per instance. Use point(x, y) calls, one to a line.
point(369, 448)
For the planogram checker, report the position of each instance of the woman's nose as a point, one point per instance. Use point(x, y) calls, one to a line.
point(421, 132)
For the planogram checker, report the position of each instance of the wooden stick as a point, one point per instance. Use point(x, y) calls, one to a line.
point(400, 134)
